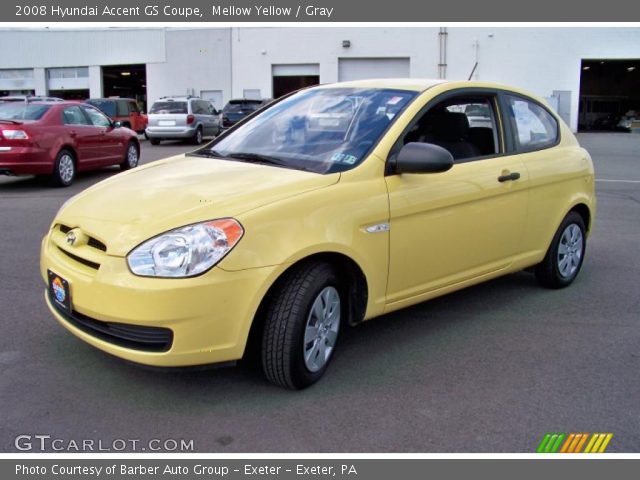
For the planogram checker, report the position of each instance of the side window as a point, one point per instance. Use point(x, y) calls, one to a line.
point(535, 127)
point(133, 107)
point(74, 116)
point(97, 118)
point(464, 125)
point(123, 108)
point(201, 107)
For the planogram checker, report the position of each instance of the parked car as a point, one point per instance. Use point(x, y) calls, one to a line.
point(238, 108)
point(58, 139)
point(123, 110)
point(626, 122)
point(286, 235)
point(187, 118)
point(30, 98)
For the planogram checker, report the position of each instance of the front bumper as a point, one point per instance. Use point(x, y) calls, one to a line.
point(171, 132)
point(209, 316)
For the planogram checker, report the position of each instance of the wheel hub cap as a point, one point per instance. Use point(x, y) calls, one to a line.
point(66, 168)
point(570, 250)
point(321, 330)
point(132, 156)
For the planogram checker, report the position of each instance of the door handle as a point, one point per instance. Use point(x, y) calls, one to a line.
point(509, 177)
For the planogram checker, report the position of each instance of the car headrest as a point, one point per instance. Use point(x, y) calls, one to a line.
point(451, 126)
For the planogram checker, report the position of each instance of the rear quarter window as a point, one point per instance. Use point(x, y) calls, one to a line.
point(535, 127)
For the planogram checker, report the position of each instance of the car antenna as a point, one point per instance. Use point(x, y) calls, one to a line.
point(472, 71)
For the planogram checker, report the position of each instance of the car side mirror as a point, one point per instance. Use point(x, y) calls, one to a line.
point(417, 157)
point(117, 124)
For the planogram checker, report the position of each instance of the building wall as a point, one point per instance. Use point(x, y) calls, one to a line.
point(196, 60)
point(80, 48)
point(542, 60)
point(256, 49)
point(233, 60)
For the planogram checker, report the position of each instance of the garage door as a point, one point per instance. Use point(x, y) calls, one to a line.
point(362, 68)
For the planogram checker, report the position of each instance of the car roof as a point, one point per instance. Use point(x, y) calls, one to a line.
point(415, 84)
point(247, 100)
point(55, 104)
point(111, 99)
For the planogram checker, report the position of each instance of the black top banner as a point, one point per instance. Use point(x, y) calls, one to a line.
point(175, 11)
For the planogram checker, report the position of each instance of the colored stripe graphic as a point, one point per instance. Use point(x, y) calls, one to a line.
point(573, 442)
point(550, 443)
point(598, 443)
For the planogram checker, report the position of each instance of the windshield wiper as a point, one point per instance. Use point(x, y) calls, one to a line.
point(247, 157)
point(13, 122)
point(206, 153)
point(259, 158)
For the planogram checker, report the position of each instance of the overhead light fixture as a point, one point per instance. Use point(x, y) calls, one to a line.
point(125, 74)
point(631, 69)
point(602, 62)
point(587, 67)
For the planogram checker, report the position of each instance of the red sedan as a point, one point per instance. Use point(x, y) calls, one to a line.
point(60, 139)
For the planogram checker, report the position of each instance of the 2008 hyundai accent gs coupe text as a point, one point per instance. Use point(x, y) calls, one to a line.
point(331, 206)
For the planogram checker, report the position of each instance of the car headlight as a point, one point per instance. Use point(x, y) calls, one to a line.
point(185, 251)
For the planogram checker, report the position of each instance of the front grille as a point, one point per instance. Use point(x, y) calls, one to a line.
point(92, 242)
point(135, 337)
point(81, 260)
point(97, 244)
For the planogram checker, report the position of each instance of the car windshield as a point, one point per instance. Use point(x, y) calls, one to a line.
point(239, 107)
point(169, 107)
point(321, 130)
point(22, 111)
point(107, 106)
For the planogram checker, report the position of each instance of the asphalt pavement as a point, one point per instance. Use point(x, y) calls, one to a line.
point(492, 368)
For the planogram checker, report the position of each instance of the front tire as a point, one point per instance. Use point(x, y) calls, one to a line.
point(64, 169)
point(564, 258)
point(131, 157)
point(302, 326)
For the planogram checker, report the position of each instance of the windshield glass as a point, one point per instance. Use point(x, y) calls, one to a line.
point(321, 130)
point(169, 107)
point(22, 111)
point(107, 106)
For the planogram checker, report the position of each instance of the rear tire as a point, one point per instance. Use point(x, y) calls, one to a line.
point(302, 325)
point(197, 137)
point(131, 157)
point(154, 141)
point(64, 169)
point(563, 260)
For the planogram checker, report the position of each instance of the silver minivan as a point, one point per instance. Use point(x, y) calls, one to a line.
point(182, 117)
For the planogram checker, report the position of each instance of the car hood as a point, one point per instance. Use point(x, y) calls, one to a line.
point(132, 207)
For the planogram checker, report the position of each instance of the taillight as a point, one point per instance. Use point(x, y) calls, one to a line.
point(190, 119)
point(15, 134)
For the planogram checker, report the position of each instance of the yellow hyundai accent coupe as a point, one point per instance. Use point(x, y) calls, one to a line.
point(331, 206)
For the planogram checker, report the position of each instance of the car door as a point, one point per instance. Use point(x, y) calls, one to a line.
point(85, 139)
point(453, 227)
point(536, 132)
point(111, 145)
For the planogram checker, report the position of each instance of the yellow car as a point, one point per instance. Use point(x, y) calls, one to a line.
point(332, 206)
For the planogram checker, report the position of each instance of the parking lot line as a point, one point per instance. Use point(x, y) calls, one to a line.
point(616, 181)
